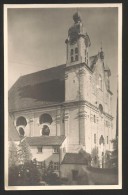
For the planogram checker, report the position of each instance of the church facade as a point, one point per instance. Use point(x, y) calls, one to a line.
point(66, 109)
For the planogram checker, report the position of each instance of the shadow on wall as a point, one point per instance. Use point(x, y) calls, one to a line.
point(49, 91)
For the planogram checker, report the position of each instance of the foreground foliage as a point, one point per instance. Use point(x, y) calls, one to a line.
point(26, 174)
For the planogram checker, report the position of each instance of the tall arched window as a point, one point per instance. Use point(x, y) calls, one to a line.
point(101, 140)
point(72, 59)
point(94, 118)
point(100, 108)
point(71, 52)
point(76, 50)
point(76, 57)
point(100, 82)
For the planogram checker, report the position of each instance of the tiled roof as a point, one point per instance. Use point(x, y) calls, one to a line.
point(75, 158)
point(12, 132)
point(38, 89)
point(43, 88)
point(45, 140)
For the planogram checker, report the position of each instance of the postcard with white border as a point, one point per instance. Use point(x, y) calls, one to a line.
point(63, 96)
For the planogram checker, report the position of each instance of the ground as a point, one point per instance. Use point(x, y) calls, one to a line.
point(99, 177)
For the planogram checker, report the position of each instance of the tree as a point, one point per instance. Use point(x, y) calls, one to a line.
point(25, 174)
point(13, 155)
point(49, 176)
point(24, 152)
point(107, 158)
point(95, 158)
point(114, 154)
point(22, 171)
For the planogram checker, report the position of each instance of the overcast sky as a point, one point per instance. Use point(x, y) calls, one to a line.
point(36, 39)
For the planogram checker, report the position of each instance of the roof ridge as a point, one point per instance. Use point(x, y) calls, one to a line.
point(42, 70)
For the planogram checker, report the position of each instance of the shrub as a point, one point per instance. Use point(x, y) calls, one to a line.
point(24, 175)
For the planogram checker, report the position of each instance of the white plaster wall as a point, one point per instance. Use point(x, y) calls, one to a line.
point(63, 149)
point(66, 170)
point(82, 48)
point(72, 86)
point(88, 131)
point(73, 126)
point(47, 154)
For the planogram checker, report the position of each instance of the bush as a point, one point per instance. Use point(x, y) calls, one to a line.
point(24, 175)
point(52, 179)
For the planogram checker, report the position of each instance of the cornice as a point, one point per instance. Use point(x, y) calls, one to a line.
point(66, 105)
point(74, 66)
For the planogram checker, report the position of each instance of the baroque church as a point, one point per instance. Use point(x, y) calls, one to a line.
point(64, 112)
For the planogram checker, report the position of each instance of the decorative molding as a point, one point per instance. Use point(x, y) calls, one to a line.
point(66, 75)
point(66, 116)
point(72, 103)
point(82, 114)
point(58, 118)
point(74, 66)
point(82, 72)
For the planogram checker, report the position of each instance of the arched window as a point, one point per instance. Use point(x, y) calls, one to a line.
point(76, 57)
point(45, 118)
point(71, 52)
point(76, 50)
point(107, 139)
point(100, 108)
point(100, 82)
point(21, 121)
point(94, 118)
point(45, 130)
point(21, 131)
point(72, 59)
point(94, 138)
point(101, 140)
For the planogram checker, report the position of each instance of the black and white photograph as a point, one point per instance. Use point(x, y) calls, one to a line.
point(63, 78)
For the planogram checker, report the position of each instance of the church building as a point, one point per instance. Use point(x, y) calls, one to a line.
point(64, 112)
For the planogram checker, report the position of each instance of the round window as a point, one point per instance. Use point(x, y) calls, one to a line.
point(45, 118)
point(21, 121)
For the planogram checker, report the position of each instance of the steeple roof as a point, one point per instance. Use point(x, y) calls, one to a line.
point(76, 17)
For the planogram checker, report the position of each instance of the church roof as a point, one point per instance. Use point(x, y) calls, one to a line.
point(45, 140)
point(41, 88)
point(75, 158)
point(12, 133)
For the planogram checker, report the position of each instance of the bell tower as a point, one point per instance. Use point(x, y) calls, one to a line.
point(77, 46)
point(78, 43)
